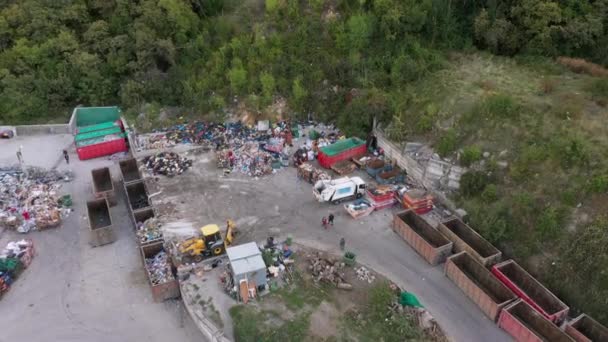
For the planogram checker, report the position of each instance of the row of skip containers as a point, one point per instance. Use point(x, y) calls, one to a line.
point(504, 291)
point(99, 131)
point(384, 173)
point(140, 210)
point(102, 231)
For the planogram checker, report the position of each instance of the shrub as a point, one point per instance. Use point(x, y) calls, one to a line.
point(470, 154)
point(581, 66)
point(490, 193)
point(570, 151)
point(500, 106)
point(599, 91)
point(473, 183)
point(547, 85)
point(447, 143)
point(599, 184)
point(549, 223)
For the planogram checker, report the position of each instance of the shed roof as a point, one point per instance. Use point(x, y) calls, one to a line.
point(245, 258)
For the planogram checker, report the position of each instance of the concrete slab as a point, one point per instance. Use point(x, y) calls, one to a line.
point(40, 150)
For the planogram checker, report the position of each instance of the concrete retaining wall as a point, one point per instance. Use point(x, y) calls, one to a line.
point(43, 129)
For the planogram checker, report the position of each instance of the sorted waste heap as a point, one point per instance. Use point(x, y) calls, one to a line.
point(32, 201)
point(167, 164)
point(159, 268)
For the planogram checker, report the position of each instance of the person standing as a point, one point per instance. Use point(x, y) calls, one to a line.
point(324, 222)
point(331, 219)
point(66, 156)
point(342, 244)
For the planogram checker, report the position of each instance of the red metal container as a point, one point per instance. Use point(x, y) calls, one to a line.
point(102, 149)
point(531, 290)
point(586, 329)
point(525, 324)
point(478, 283)
point(341, 150)
point(426, 240)
point(381, 197)
point(467, 239)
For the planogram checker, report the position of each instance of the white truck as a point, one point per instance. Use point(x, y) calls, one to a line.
point(338, 190)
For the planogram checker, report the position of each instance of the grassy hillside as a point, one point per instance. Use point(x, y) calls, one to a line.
point(542, 194)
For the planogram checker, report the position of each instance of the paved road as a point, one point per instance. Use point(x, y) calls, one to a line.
point(73, 292)
point(281, 205)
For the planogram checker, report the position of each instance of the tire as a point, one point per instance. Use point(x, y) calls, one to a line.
point(336, 202)
point(187, 259)
point(359, 195)
point(218, 250)
point(198, 258)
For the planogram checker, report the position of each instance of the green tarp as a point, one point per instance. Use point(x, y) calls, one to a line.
point(97, 127)
point(341, 146)
point(98, 140)
point(88, 116)
point(408, 299)
point(96, 134)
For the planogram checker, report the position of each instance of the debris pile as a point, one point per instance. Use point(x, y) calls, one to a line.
point(365, 275)
point(159, 268)
point(311, 174)
point(149, 230)
point(278, 260)
point(16, 256)
point(167, 163)
point(359, 208)
point(32, 202)
point(328, 271)
point(421, 317)
point(252, 161)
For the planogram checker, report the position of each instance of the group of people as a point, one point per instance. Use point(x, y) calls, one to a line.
point(326, 221)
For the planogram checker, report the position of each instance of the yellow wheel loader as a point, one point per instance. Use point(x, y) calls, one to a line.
point(209, 244)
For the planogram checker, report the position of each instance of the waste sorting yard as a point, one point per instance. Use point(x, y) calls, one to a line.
point(257, 233)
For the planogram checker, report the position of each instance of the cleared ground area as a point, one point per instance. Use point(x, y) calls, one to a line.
point(73, 292)
point(280, 205)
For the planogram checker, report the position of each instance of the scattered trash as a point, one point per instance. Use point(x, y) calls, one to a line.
point(32, 202)
point(311, 174)
point(159, 268)
point(167, 163)
point(365, 275)
point(16, 256)
point(149, 230)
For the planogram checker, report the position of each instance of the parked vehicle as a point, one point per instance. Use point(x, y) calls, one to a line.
point(339, 190)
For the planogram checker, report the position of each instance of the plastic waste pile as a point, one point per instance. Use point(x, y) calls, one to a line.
point(250, 160)
point(32, 202)
point(159, 268)
point(149, 230)
point(167, 163)
point(16, 256)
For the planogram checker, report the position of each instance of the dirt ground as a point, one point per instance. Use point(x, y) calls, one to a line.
point(71, 291)
point(281, 205)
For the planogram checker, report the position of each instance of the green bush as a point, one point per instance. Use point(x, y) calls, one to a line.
point(470, 154)
point(472, 183)
point(599, 184)
point(500, 106)
point(550, 222)
point(490, 193)
point(447, 142)
point(570, 151)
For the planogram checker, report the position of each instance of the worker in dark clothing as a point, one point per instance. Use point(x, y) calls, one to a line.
point(66, 156)
point(331, 219)
point(342, 244)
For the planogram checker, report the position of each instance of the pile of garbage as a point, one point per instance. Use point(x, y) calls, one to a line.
point(16, 256)
point(311, 174)
point(252, 161)
point(167, 164)
point(364, 274)
point(359, 208)
point(217, 134)
point(159, 268)
point(149, 230)
point(32, 201)
point(328, 270)
point(422, 318)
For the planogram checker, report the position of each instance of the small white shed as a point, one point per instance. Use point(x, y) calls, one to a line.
point(247, 263)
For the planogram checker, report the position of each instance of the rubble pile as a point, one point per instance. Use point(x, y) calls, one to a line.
point(32, 202)
point(16, 256)
point(252, 161)
point(364, 274)
point(278, 260)
point(328, 271)
point(159, 268)
point(167, 164)
point(149, 230)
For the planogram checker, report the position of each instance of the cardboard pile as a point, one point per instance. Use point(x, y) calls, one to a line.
point(311, 174)
point(167, 163)
point(32, 202)
point(159, 268)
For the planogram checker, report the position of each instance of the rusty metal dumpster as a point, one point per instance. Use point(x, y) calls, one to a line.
point(426, 240)
point(101, 229)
